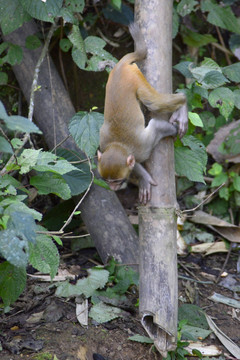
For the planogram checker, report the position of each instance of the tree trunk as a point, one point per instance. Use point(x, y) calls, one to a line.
point(101, 210)
point(157, 221)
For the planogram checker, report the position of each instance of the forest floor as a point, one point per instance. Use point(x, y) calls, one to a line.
point(40, 325)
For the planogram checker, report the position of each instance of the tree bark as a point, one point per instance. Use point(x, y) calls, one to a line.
point(157, 221)
point(101, 210)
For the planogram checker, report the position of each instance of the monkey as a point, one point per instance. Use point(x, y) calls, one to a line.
point(125, 141)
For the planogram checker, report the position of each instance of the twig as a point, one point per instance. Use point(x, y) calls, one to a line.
point(112, 43)
point(81, 200)
point(204, 201)
point(223, 45)
point(60, 143)
point(188, 271)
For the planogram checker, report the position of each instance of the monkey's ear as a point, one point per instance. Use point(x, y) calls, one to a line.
point(131, 161)
point(99, 155)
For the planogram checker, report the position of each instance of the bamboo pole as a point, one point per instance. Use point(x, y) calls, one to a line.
point(157, 221)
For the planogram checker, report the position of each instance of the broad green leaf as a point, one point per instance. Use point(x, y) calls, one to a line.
point(75, 5)
point(175, 23)
point(236, 183)
point(3, 114)
point(236, 94)
point(20, 206)
point(195, 119)
point(96, 279)
point(216, 169)
point(3, 78)
point(32, 42)
point(102, 313)
point(141, 339)
point(14, 247)
point(47, 161)
point(194, 333)
point(224, 193)
point(28, 159)
point(219, 179)
point(195, 39)
point(232, 72)
point(5, 146)
point(208, 119)
point(193, 314)
point(185, 7)
point(44, 255)
point(12, 282)
point(125, 17)
point(22, 124)
point(213, 79)
point(68, 16)
point(12, 15)
point(191, 162)
point(221, 16)
point(79, 57)
point(65, 45)
point(49, 183)
point(14, 55)
point(23, 224)
point(223, 99)
point(117, 4)
point(76, 39)
point(94, 44)
point(183, 68)
point(78, 181)
point(42, 10)
point(84, 128)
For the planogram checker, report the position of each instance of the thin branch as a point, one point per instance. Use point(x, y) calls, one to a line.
point(204, 201)
point(81, 200)
point(223, 45)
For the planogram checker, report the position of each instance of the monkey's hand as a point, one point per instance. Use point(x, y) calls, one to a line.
point(180, 117)
point(145, 183)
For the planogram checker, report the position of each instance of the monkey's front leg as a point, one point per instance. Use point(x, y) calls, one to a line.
point(145, 181)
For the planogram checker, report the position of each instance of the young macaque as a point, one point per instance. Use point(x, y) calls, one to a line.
point(125, 141)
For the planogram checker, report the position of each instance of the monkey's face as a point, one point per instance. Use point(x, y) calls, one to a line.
point(115, 171)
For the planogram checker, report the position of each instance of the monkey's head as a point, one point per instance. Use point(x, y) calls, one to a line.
point(115, 166)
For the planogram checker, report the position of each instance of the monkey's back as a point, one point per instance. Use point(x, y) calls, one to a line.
point(123, 117)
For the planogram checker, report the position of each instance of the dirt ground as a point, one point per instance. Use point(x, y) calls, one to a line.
point(54, 329)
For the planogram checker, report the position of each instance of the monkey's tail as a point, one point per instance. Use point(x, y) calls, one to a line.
point(140, 52)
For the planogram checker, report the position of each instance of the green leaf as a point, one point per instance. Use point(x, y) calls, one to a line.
point(76, 38)
point(20, 206)
point(175, 23)
point(22, 124)
point(12, 282)
point(221, 16)
point(65, 45)
point(12, 16)
point(216, 169)
point(117, 4)
point(224, 193)
point(3, 78)
point(23, 224)
point(14, 247)
point(28, 159)
point(185, 7)
point(232, 72)
point(96, 279)
point(223, 99)
point(75, 5)
point(47, 161)
point(84, 128)
point(236, 183)
point(33, 42)
point(195, 119)
point(79, 57)
point(219, 179)
point(193, 314)
point(78, 181)
point(51, 184)
point(236, 94)
point(195, 39)
point(194, 333)
point(141, 339)
point(103, 313)
point(94, 45)
point(14, 55)
point(44, 255)
point(213, 79)
point(3, 114)
point(5, 146)
point(191, 162)
point(45, 11)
